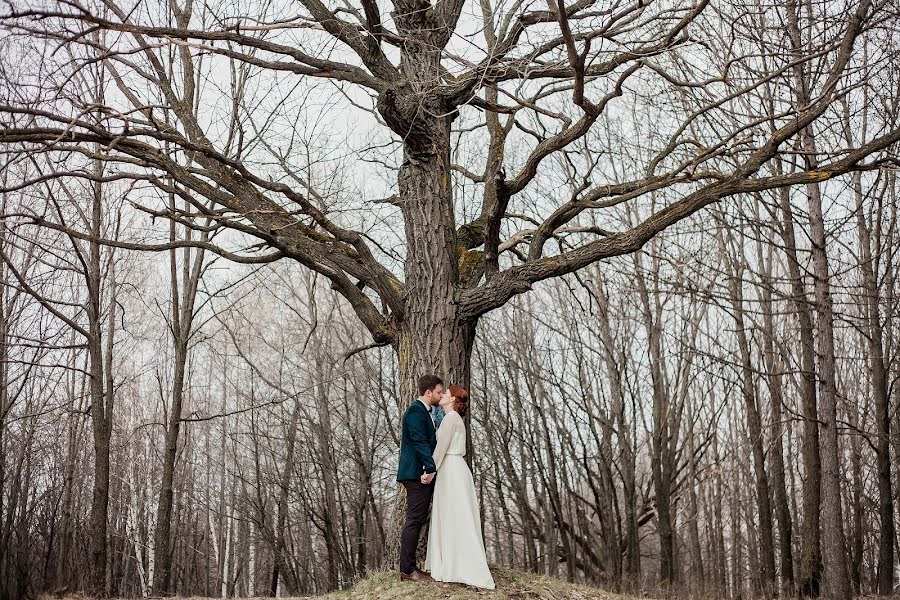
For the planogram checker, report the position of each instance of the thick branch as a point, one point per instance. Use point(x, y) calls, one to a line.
point(521, 278)
point(272, 223)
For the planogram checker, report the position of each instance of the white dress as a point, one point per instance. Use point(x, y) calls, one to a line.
point(455, 546)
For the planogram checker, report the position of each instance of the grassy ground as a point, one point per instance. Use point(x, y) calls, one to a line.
point(512, 585)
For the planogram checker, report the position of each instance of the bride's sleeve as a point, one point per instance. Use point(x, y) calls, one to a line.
point(444, 435)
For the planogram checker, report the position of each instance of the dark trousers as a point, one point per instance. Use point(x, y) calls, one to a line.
point(418, 501)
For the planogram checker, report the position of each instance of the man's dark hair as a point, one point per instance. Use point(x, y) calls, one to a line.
point(428, 383)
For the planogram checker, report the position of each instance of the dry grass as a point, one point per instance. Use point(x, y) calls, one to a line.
point(512, 585)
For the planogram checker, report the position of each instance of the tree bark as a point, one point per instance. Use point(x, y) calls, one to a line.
point(101, 403)
point(834, 548)
point(431, 336)
point(834, 551)
point(874, 339)
point(810, 569)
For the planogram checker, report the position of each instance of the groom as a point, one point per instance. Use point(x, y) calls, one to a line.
point(416, 471)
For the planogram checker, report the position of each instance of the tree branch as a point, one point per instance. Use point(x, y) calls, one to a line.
point(519, 279)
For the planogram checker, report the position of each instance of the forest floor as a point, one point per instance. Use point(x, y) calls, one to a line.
point(511, 585)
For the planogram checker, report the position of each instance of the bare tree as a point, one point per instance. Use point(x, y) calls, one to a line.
point(518, 209)
point(734, 261)
point(872, 255)
point(418, 98)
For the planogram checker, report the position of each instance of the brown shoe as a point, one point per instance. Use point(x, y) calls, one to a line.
point(417, 576)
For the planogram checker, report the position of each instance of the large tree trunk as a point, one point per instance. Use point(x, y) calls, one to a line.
point(431, 337)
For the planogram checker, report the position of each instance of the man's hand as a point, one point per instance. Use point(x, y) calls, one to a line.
point(426, 478)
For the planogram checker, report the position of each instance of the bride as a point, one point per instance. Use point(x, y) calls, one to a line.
point(455, 546)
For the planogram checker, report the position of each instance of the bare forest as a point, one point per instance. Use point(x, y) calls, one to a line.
point(658, 241)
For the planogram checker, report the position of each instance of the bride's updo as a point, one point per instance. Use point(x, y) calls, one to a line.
point(460, 399)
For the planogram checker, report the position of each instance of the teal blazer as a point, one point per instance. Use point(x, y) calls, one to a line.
point(417, 442)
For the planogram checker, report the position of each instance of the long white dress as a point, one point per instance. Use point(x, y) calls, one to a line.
point(455, 546)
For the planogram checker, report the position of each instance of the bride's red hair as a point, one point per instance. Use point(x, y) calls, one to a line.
point(460, 399)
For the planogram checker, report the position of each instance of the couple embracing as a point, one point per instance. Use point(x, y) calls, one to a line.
point(434, 472)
